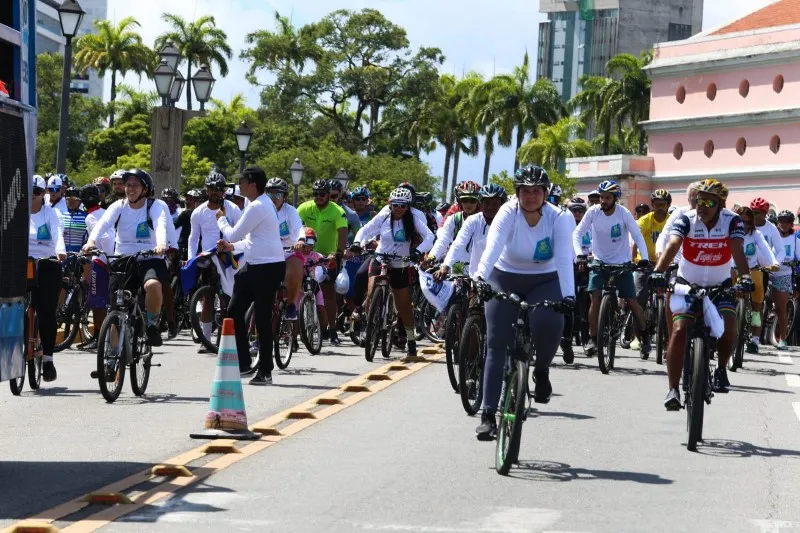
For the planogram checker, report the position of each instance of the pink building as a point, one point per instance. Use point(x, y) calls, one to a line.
point(724, 104)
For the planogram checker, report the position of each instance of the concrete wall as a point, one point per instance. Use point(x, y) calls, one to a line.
point(646, 22)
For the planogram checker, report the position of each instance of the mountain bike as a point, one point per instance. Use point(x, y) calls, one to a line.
point(72, 315)
point(662, 314)
point(308, 315)
point(209, 293)
point(457, 313)
point(381, 315)
point(472, 356)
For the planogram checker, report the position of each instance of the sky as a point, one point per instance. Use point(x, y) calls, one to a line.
point(474, 35)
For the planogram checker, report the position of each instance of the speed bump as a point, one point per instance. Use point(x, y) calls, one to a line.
point(266, 431)
point(431, 351)
point(356, 388)
point(107, 498)
point(328, 401)
point(33, 526)
point(379, 377)
point(171, 471)
point(415, 359)
point(398, 368)
point(299, 415)
point(220, 447)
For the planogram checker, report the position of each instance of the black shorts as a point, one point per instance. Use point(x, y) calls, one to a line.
point(151, 268)
point(399, 278)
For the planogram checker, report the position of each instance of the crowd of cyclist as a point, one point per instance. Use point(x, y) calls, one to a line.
point(529, 243)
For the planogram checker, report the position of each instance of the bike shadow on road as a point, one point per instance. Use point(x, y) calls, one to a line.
point(160, 398)
point(307, 371)
point(617, 370)
point(191, 499)
point(533, 413)
point(537, 470)
point(742, 388)
point(736, 448)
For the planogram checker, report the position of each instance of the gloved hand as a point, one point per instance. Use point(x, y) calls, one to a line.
point(746, 283)
point(416, 255)
point(568, 304)
point(644, 263)
point(658, 280)
point(484, 290)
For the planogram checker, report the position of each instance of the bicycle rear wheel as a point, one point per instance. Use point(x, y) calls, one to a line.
point(374, 323)
point(140, 365)
point(606, 333)
point(310, 329)
point(452, 338)
point(68, 318)
point(220, 311)
point(282, 341)
point(737, 359)
point(17, 384)
point(472, 352)
point(512, 414)
point(695, 399)
point(35, 363)
point(626, 332)
point(112, 354)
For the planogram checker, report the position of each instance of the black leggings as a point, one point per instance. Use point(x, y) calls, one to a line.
point(255, 283)
point(45, 300)
point(361, 279)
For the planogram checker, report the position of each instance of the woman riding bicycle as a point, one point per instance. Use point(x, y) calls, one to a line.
point(467, 196)
point(291, 229)
point(402, 234)
point(528, 246)
point(45, 240)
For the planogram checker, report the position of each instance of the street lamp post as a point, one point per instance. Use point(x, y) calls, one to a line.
point(164, 75)
point(202, 83)
point(70, 15)
point(296, 170)
point(342, 178)
point(243, 136)
point(176, 88)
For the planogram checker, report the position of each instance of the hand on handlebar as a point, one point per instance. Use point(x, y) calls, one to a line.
point(442, 273)
point(746, 283)
point(658, 280)
point(224, 246)
point(568, 304)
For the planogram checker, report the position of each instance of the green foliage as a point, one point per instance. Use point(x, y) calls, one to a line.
point(568, 185)
point(193, 168)
point(107, 145)
point(556, 143)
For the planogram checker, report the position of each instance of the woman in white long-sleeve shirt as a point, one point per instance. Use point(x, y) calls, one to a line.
point(45, 239)
point(527, 250)
point(399, 233)
point(467, 195)
point(290, 227)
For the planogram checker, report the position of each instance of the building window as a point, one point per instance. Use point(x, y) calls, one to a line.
point(708, 149)
point(677, 150)
point(711, 91)
point(680, 94)
point(744, 88)
point(741, 146)
point(775, 144)
point(777, 83)
point(678, 32)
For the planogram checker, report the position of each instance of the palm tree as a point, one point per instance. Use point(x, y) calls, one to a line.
point(628, 98)
point(199, 42)
point(481, 114)
point(591, 101)
point(555, 143)
point(236, 107)
point(116, 48)
point(134, 102)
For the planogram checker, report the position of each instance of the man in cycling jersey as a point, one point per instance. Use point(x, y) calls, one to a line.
point(709, 237)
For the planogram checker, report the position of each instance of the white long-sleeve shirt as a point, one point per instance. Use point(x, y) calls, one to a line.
point(45, 237)
point(773, 238)
point(663, 237)
point(514, 246)
point(472, 236)
point(445, 236)
point(106, 241)
point(392, 236)
point(256, 233)
point(133, 234)
point(290, 225)
point(756, 251)
point(205, 231)
point(610, 235)
point(172, 235)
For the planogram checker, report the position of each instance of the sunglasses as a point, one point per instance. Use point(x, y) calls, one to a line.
point(469, 201)
point(37, 191)
point(216, 188)
point(276, 195)
point(703, 202)
point(404, 206)
point(54, 189)
point(320, 194)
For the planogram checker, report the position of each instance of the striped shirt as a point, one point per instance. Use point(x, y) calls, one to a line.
point(75, 232)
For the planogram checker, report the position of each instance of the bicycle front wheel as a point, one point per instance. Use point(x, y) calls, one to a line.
point(283, 337)
point(695, 400)
point(374, 323)
point(140, 364)
point(389, 321)
point(512, 414)
point(472, 350)
point(112, 354)
point(219, 311)
point(452, 338)
point(310, 329)
point(606, 333)
point(736, 360)
point(661, 332)
point(17, 384)
point(68, 318)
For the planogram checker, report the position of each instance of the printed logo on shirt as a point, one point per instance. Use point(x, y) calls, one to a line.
point(586, 240)
point(788, 251)
point(142, 231)
point(616, 231)
point(284, 228)
point(707, 252)
point(400, 235)
point(544, 250)
point(750, 249)
point(43, 233)
point(433, 286)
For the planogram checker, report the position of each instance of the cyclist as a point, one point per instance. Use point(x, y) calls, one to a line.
point(612, 225)
point(577, 206)
point(403, 234)
point(527, 247)
point(306, 254)
point(117, 187)
point(104, 186)
point(183, 222)
point(45, 240)
point(641, 210)
point(593, 198)
point(353, 220)
point(172, 198)
point(291, 230)
point(422, 201)
point(440, 212)
point(710, 236)
point(554, 194)
point(467, 195)
point(361, 205)
point(782, 280)
point(329, 221)
point(760, 208)
point(140, 224)
point(55, 197)
point(97, 280)
point(74, 221)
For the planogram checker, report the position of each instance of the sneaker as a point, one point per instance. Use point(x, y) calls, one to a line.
point(782, 345)
point(488, 429)
point(325, 334)
point(261, 379)
point(751, 348)
point(154, 336)
point(543, 389)
point(335, 339)
point(90, 346)
point(295, 346)
point(247, 372)
point(645, 349)
point(723, 377)
point(291, 312)
point(49, 371)
point(568, 352)
point(673, 400)
point(411, 349)
point(202, 349)
point(718, 382)
point(172, 328)
point(591, 348)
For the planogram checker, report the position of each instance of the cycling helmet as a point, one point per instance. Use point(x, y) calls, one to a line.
point(786, 215)
point(216, 180)
point(610, 186)
point(712, 186)
point(594, 194)
point(336, 185)
point(444, 206)
point(117, 174)
point(360, 191)
point(555, 191)
point(321, 185)
point(577, 205)
point(493, 190)
point(423, 199)
point(400, 195)
point(532, 175)
point(193, 193)
point(661, 194)
point(72, 191)
point(143, 176)
point(203, 195)
point(90, 195)
point(278, 184)
point(644, 208)
point(759, 204)
point(103, 182)
point(65, 180)
point(171, 193)
point(408, 186)
point(773, 218)
point(466, 189)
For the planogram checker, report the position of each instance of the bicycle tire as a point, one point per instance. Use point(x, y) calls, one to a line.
point(252, 335)
point(111, 393)
point(207, 291)
point(140, 362)
point(373, 326)
point(71, 316)
point(627, 335)
point(357, 333)
point(282, 341)
point(452, 338)
point(18, 384)
point(696, 400)
point(310, 327)
point(472, 347)
point(428, 315)
point(606, 326)
point(35, 363)
point(391, 318)
point(661, 332)
point(512, 414)
point(737, 359)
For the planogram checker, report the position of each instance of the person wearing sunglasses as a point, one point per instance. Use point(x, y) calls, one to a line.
point(710, 237)
point(292, 232)
point(361, 205)
point(782, 280)
point(467, 196)
point(338, 193)
point(74, 221)
point(55, 196)
point(45, 239)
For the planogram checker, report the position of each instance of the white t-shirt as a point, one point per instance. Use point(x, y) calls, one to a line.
point(610, 235)
point(446, 235)
point(172, 236)
point(472, 239)
point(289, 225)
point(757, 251)
point(205, 232)
point(790, 253)
point(514, 246)
point(106, 241)
point(773, 238)
point(45, 237)
point(392, 236)
point(256, 233)
point(133, 234)
point(439, 218)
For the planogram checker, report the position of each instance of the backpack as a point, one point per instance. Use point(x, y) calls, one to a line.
point(150, 202)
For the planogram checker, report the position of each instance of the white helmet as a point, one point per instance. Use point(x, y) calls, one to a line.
point(117, 174)
point(401, 196)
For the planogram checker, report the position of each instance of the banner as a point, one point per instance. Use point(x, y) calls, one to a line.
point(14, 201)
point(438, 293)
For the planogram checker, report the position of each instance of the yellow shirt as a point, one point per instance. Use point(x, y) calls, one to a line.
point(651, 229)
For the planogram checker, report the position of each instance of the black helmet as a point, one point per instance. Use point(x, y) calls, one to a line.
point(407, 185)
point(90, 195)
point(216, 180)
point(531, 175)
point(321, 185)
point(72, 191)
point(786, 215)
point(423, 199)
point(143, 176)
point(278, 184)
point(169, 192)
point(444, 206)
point(336, 185)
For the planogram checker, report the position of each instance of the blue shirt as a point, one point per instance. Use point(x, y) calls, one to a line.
point(75, 233)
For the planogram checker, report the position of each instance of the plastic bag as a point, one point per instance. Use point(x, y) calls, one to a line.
point(342, 282)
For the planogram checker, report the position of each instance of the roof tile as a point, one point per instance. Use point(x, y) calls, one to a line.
point(780, 13)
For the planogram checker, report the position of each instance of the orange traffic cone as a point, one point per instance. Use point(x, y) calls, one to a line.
point(227, 418)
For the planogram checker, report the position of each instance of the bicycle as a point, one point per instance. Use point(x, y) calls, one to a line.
point(453, 327)
point(209, 292)
point(381, 315)
point(72, 315)
point(310, 326)
point(122, 340)
point(661, 316)
point(515, 395)
point(471, 357)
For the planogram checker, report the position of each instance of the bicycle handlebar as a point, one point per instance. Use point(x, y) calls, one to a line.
point(522, 304)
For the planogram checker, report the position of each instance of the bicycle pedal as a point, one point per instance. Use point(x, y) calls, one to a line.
point(94, 374)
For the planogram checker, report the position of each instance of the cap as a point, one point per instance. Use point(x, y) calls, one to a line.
point(54, 182)
point(38, 181)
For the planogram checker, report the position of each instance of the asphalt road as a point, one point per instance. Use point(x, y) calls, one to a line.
point(603, 455)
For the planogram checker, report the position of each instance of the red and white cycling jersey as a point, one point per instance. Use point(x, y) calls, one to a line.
point(707, 252)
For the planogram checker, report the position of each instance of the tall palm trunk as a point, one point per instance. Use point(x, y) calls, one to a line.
point(487, 158)
point(113, 98)
point(448, 151)
point(606, 137)
point(642, 134)
point(520, 138)
point(456, 156)
point(189, 84)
